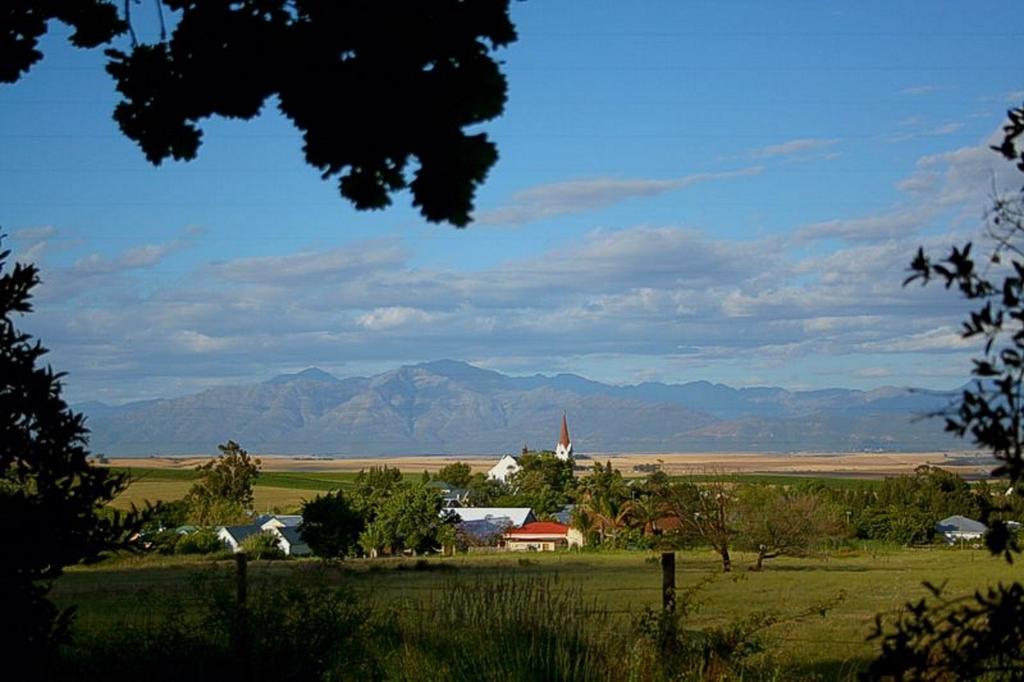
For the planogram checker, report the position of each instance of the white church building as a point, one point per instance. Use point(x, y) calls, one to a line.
point(508, 465)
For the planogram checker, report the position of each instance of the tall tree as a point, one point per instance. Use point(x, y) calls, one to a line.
point(706, 511)
point(330, 526)
point(223, 493)
point(376, 88)
point(980, 636)
point(457, 473)
point(49, 491)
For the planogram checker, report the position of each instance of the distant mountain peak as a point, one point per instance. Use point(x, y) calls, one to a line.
point(311, 374)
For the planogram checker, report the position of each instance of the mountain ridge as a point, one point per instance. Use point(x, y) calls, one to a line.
point(453, 407)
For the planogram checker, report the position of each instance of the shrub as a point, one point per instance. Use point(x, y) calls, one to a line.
point(164, 541)
point(291, 632)
point(203, 541)
point(262, 546)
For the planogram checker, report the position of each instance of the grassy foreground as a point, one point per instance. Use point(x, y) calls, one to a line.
point(131, 590)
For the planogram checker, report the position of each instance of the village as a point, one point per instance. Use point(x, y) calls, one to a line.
point(547, 501)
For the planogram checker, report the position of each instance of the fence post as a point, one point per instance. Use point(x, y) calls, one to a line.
point(243, 660)
point(241, 583)
point(668, 582)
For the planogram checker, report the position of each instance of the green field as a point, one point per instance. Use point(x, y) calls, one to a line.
point(873, 580)
point(280, 490)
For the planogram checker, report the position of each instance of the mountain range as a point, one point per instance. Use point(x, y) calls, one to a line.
point(451, 407)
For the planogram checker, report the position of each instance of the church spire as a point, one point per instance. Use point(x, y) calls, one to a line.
point(564, 448)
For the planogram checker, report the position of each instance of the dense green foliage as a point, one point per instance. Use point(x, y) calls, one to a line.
point(291, 632)
point(408, 520)
point(263, 545)
point(222, 493)
point(330, 525)
point(457, 474)
point(49, 492)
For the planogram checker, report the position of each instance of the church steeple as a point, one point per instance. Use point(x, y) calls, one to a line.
point(564, 448)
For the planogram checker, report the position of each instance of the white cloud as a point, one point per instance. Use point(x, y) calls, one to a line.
point(919, 90)
point(793, 147)
point(395, 316)
point(576, 196)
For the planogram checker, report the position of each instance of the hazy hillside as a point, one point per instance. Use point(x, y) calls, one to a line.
point(454, 407)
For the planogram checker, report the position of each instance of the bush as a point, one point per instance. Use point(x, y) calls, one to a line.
point(203, 541)
point(262, 546)
point(292, 632)
point(164, 542)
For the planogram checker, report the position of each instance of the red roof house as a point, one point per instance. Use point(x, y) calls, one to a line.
point(542, 536)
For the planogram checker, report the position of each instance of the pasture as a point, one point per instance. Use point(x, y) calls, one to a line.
point(872, 579)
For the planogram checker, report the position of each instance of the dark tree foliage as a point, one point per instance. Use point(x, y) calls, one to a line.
point(983, 634)
point(49, 492)
point(330, 525)
point(381, 91)
point(457, 474)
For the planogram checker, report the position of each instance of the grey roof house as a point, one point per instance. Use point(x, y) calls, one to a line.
point(958, 527)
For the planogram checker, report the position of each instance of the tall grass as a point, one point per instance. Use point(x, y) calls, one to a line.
point(504, 629)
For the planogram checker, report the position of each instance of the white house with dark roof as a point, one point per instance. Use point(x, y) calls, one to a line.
point(290, 542)
point(233, 536)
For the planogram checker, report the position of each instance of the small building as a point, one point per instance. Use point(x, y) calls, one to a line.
point(503, 470)
point(232, 536)
point(542, 536)
point(290, 542)
point(956, 528)
point(516, 516)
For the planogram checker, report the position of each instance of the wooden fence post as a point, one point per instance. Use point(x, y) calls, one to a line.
point(668, 582)
point(241, 582)
point(241, 633)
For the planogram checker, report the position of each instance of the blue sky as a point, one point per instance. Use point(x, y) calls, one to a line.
point(725, 191)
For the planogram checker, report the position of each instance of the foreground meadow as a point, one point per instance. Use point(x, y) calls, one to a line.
point(865, 580)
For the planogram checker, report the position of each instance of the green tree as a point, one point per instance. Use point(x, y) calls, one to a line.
point(980, 636)
point(486, 492)
point(706, 512)
point(376, 88)
point(603, 502)
point(409, 520)
point(457, 473)
point(330, 526)
point(49, 491)
point(372, 488)
point(262, 545)
point(774, 522)
point(543, 482)
point(223, 492)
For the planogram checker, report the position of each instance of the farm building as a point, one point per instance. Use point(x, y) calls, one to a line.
point(543, 536)
point(955, 528)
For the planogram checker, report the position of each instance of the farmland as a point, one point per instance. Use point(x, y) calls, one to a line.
point(874, 580)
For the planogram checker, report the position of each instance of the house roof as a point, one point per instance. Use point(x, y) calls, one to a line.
point(517, 515)
point(483, 528)
point(541, 528)
point(239, 533)
point(291, 535)
point(564, 515)
point(563, 437)
point(959, 523)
